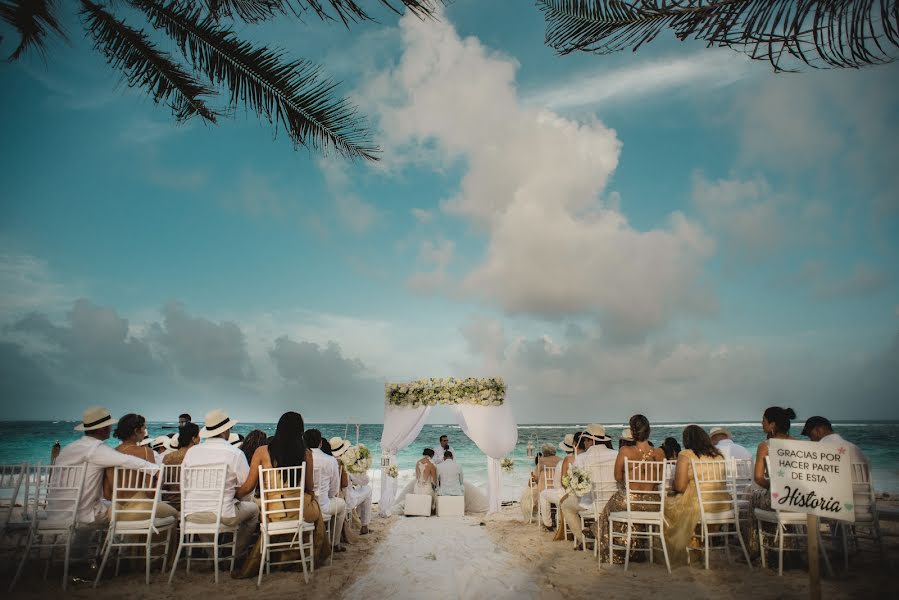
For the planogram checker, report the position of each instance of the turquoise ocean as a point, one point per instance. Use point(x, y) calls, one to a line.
point(31, 441)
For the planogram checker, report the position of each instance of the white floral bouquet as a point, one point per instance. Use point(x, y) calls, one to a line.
point(357, 459)
point(393, 471)
point(507, 465)
point(448, 390)
point(577, 482)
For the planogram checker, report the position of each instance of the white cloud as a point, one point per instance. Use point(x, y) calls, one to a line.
point(354, 212)
point(26, 284)
point(746, 213)
point(600, 87)
point(422, 216)
point(532, 184)
point(864, 280)
point(437, 255)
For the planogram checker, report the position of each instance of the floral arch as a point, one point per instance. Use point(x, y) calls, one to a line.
point(480, 408)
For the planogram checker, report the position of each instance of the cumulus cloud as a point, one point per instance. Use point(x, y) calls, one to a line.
point(485, 337)
point(354, 212)
point(437, 255)
point(532, 185)
point(201, 349)
point(27, 284)
point(825, 282)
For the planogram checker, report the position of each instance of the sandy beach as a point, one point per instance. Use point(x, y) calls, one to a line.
point(494, 556)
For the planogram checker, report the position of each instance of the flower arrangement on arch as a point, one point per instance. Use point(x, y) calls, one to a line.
point(357, 459)
point(448, 390)
point(393, 471)
point(577, 482)
point(507, 465)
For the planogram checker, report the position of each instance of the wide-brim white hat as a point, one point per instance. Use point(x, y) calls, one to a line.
point(627, 435)
point(236, 440)
point(596, 432)
point(162, 441)
point(338, 446)
point(568, 443)
point(217, 421)
point(146, 441)
point(721, 431)
point(95, 417)
point(173, 442)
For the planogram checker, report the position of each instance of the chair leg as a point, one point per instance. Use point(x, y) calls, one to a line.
point(168, 546)
point(107, 548)
point(611, 541)
point(65, 564)
point(177, 556)
point(705, 534)
point(627, 547)
point(190, 550)
point(264, 559)
point(23, 561)
point(762, 547)
point(824, 554)
point(780, 549)
point(664, 549)
point(215, 556)
point(149, 556)
point(743, 547)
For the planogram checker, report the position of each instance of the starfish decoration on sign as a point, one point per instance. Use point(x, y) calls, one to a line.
point(780, 473)
point(841, 450)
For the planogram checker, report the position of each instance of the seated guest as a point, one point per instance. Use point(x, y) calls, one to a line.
point(640, 451)
point(183, 419)
point(545, 459)
point(130, 431)
point(819, 429)
point(722, 440)
point(671, 448)
point(626, 439)
point(682, 510)
point(161, 445)
point(449, 477)
point(357, 494)
point(216, 451)
point(288, 449)
point(327, 483)
point(254, 440)
point(97, 456)
point(596, 453)
point(187, 437)
point(552, 495)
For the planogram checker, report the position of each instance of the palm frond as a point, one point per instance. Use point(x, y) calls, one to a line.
point(33, 19)
point(829, 33)
point(249, 11)
point(144, 66)
point(292, 93)
point(349, 11)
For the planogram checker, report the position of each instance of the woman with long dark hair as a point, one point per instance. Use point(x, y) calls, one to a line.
point(287, 449)
point(254, 440)
point(682, 510)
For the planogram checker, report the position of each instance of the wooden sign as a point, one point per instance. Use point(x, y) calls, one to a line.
point(811, 478)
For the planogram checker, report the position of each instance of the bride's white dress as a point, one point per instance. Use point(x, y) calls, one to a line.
point(475, 498)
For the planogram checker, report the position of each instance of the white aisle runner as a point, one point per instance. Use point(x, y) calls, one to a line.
point(446, 558)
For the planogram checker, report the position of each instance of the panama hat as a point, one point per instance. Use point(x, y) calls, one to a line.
point(146, 441)
point(217, 421)
point(627, 435)
point(596, 432)
point(567, 444)
point(161, 441)
point(338, 446)
point(95, 417)
point(173, 442)
point(721, 431)
point(236, 440)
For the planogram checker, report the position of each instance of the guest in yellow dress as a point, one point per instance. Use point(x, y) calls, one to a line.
point(682, 510)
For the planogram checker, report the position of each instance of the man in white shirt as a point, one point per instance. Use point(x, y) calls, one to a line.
point(326, 477)
point(97, 456)
point(439, 450)
point(217, 451)
point(722, 439)
point(819, 429)
point(598, 460)
point(449, 476)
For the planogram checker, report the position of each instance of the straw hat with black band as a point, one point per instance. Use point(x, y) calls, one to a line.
point(95, 417)
point(567, 444)
point(596, 432)
point(338, 446)
point(217, 422)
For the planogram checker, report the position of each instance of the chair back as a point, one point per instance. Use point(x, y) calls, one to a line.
point(549, 477)
point(742, 469)
point(602, 483)
point(55, 497)
point(863, 493)
point(203, 490)
point(281, 494)
point(170, 490)
point(645, 472)
point(670, 469)
point(135, 493)
point(715, 488)
point(11, 477)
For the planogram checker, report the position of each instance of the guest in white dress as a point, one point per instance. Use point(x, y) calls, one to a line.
point(426, 476)
point(449, 477)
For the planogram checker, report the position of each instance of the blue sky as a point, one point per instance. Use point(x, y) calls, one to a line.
point(676, 231)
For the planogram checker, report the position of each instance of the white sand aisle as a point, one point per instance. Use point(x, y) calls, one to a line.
point(441, 558)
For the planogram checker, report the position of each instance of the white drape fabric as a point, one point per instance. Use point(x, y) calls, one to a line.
point(493, 429)
point(401, 427)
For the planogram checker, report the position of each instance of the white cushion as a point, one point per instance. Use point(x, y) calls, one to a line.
point(143, 525)
point(450, 506)
point(636, 516)
point(287, 526)
point(771, 516)
point(417, 505)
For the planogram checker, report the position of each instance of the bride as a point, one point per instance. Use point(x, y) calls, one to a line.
point(425, 483)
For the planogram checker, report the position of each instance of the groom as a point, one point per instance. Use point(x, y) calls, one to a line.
point(441, 449)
